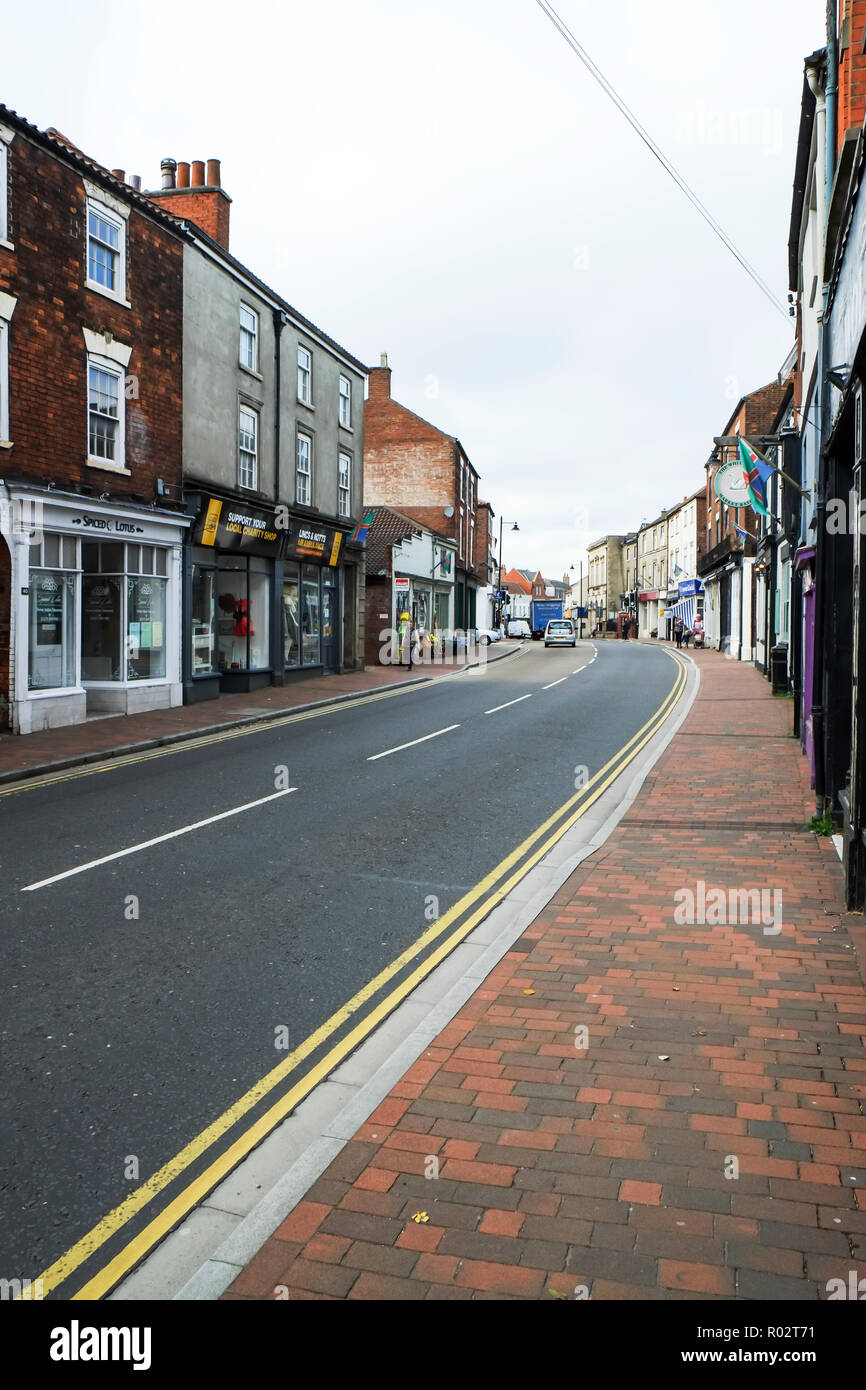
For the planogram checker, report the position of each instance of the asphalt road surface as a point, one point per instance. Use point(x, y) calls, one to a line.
point(141, 995)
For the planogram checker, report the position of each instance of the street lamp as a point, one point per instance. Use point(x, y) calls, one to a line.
point(514, 527)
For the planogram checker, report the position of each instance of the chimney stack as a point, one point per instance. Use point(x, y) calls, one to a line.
point(194, 193)
point(379, 380)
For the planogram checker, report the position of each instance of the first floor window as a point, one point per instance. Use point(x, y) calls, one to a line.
point(303, 488)
point(345, 486)
point(105, 412)
point(248, 447)
point(4, 377)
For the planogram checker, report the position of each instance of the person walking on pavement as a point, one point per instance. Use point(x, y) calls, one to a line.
point(687, 632)
point(678, 630)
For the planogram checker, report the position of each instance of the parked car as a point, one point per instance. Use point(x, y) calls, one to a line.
point(488, 634)
point(560, 633)
point(519, 627)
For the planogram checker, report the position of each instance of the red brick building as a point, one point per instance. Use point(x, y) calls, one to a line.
point(412, 465)
point(90, 437)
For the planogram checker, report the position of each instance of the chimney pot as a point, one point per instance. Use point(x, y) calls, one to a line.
point(119, 174)
point(213, 173)
point(183, 174)
point(135, 182)
point(168, 169)
point(197, 174)
point(383, 359)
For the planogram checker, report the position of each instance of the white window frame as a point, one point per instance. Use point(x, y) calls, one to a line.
point(4, 381)
point(245, 409)
point(4, 188)
point(115, 369)
point(345, 399)
point(306, 473)
point(305, 375)
point(344, 490)
point(252, 334)
point(115, 213)
point(7, 309)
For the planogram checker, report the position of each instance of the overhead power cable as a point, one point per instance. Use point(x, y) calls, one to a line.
point(560, 25)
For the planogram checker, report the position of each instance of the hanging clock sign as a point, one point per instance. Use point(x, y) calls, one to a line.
point(732, 485)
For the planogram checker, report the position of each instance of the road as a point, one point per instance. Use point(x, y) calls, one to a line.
point(143, 995)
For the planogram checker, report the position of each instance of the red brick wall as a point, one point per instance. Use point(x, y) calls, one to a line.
point(407, 461)
point(47, 353)
point(377, 600)
point(208, 208)
point(852, 69)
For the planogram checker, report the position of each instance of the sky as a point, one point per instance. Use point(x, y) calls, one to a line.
point(442, 180)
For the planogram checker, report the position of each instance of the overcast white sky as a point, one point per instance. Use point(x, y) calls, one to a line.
point(445, 182)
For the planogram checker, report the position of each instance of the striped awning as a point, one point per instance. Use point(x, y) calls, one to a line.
point(685, 609)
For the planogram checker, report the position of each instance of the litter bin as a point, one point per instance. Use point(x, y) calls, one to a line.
point(779, 667)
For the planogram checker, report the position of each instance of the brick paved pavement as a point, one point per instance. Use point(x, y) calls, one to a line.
point(606, 1168)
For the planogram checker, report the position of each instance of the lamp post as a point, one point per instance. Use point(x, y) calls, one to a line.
point(514, 526)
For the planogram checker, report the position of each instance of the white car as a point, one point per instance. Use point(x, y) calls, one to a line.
point(487, 634)
point(560, 633)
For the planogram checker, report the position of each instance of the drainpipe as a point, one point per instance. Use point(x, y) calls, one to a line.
point(822, 180)
point(831, 93)
point(280, 321)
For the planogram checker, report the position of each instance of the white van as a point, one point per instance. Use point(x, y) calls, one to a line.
point(519, 627)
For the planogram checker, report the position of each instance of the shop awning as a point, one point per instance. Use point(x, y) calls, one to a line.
point(685, 609)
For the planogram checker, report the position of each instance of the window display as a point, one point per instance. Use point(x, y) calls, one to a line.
point(291, 618)
point(145, 628)
point(204, 618)
point(311, 618)
point(242, 613)
point(52, 630)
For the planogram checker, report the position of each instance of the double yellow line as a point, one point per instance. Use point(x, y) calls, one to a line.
point(471, 909)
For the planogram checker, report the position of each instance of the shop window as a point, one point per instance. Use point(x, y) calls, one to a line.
point(311, 620)
point(203, 609)
point(242, 603)
point(291, 617)
point(52, 613)
point(123, 611)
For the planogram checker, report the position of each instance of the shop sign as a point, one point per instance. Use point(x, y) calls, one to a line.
point(401, 584)
point(112, 524)
point(687, 587)
point(307, 541)
point(234, 526)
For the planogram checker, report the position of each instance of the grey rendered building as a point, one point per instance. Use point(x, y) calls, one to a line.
point(273, 412)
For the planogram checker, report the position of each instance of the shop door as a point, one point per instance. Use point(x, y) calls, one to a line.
point(330, 621)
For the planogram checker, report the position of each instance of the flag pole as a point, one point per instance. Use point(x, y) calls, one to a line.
point(732, 440)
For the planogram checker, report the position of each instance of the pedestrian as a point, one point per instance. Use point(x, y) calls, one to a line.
point(678, 630)
point(687, 632)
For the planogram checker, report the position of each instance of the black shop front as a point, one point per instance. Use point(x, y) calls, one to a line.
point(232, 561)
point(311, 598)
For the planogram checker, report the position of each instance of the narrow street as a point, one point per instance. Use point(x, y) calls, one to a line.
point(142, 995)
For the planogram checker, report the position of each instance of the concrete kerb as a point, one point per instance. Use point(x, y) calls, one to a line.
point(471, 963)
point(266, 717)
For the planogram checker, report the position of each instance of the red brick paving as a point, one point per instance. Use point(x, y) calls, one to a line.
point(712, 1050)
